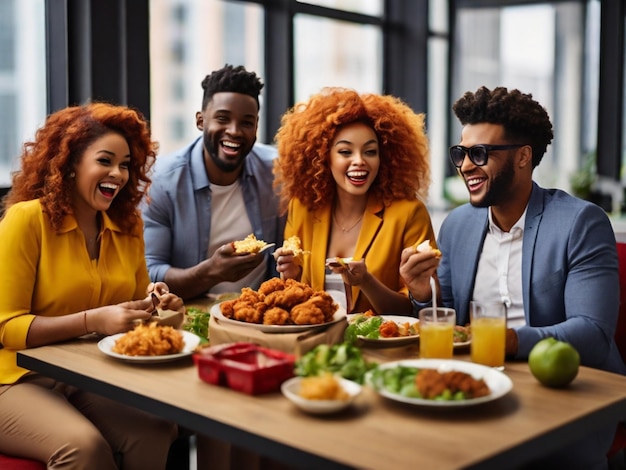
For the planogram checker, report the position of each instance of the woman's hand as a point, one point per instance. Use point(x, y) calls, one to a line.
point(354, 273)
point(120, 318)
point(286, 264)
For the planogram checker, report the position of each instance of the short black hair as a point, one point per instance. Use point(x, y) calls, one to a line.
point(232, 79)
point(524, 120)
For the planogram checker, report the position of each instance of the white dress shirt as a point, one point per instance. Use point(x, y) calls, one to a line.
point(499, 274)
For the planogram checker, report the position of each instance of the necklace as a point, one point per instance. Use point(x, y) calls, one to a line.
point(344, 229)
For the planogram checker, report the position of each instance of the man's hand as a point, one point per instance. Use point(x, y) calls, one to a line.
point(226, 266)
point(416, 269)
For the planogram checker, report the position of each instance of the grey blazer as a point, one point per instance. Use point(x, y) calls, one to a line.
point(570, 277)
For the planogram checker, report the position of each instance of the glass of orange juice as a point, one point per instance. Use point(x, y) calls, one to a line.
point(437, 332)
point(488, 324)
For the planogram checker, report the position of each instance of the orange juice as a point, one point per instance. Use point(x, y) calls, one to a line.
point(488, 341)
point(436, 340)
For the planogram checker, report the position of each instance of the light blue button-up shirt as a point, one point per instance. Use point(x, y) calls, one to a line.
point(177, 211)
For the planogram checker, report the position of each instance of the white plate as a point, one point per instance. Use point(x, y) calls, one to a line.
point(398, 341)
point(191, 342)
point(462, 344)
point(291, 387)
point(339, 315)
point(498, 383)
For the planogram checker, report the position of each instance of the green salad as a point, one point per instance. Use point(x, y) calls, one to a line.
point(363, 325)
point(197, 322)
point(344, 359)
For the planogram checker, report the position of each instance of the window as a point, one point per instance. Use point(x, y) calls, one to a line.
point(207, 34)
point(367, 7)
point(335, 53)
point(493, 47)
point(22, 79)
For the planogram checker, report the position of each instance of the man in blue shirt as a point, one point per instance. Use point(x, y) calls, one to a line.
point(549, 257)
point(215, 191)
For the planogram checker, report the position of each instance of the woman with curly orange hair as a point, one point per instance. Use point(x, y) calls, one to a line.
point(352, 171)
point(72, 263)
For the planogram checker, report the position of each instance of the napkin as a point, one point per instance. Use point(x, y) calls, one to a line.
point(299, 343)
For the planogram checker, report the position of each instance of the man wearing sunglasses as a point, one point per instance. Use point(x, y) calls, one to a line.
point(549, 257)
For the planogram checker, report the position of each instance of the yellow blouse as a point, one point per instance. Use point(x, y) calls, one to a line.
point(385, 232)
point(43, 272)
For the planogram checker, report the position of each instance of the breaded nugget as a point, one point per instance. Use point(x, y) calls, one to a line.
point(325, 302)
point(271, 285)
point(250, 295)
point(249, 312)
point(293, 294)
point(307, 313)
point(276, 316)
point(228, 307)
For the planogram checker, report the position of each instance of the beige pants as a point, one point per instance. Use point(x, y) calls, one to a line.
point(67, 428)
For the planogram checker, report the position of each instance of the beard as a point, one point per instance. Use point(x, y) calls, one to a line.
point(212, 149)
point(499, 187)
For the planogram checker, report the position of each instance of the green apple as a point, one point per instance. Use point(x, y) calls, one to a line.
point(554, 363)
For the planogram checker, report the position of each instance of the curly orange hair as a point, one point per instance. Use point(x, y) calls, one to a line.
point(48, 161)
point(305, 137)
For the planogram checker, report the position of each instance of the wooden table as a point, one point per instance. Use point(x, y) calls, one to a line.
point(529, 422)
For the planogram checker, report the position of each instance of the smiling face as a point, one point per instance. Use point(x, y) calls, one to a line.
point(497, 182)
point(229, 125)
point(101, 173)
point(355, 158)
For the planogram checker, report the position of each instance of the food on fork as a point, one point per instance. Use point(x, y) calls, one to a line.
point(250, 244)
point(294, 245)
point(425, 247)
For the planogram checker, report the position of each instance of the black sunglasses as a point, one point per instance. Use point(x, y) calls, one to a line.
point(478, 154)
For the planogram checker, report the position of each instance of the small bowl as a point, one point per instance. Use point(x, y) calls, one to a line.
point(291, 387)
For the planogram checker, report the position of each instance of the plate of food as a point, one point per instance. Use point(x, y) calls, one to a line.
point(323, 394)
point(383, 330)
point(338, 316)
point(141, 345)
point(280, 306)
point(439, 383)
point(462, 336)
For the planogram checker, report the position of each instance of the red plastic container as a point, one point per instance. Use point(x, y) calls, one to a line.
point(244, 367)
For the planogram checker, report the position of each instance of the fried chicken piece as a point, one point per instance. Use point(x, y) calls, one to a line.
point(251, 296)
point(228, 307)
point(307, 313)
point(460, 381)
point(293, 294)
point(389, 329)
point(325, 302)
point(271, 285)
point(430, 383)
point(249, 312)
point(276, 316)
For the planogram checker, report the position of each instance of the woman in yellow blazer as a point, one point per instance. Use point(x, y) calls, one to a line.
point(352, 170)
point(72, 263)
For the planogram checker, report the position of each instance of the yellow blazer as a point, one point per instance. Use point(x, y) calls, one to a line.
point(385, 232)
